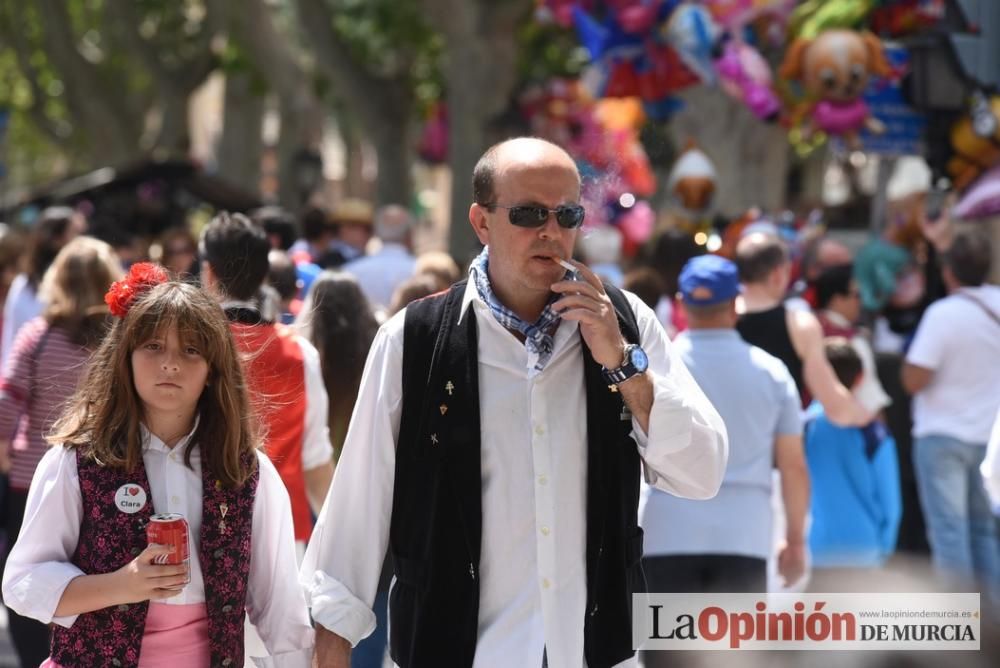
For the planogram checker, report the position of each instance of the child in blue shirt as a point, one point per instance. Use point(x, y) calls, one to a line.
point(856, 505)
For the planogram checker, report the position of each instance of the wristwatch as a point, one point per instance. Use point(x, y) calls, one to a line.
point(635, 362)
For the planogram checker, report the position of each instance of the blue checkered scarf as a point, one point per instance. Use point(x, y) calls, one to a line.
point(538, 336)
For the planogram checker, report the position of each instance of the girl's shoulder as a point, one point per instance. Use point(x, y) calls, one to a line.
point(265, 465)
point(59, 462)
point(31, 332)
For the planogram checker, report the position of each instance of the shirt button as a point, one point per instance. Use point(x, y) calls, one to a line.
point(543, 479)
point(545, 531)
point(539, 429)
point(545, 583)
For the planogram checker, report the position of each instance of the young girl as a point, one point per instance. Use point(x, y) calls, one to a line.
point(161, 424)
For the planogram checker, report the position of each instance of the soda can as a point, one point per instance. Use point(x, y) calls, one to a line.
point(170, 529)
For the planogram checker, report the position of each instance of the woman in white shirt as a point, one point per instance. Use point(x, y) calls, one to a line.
point(56, 227)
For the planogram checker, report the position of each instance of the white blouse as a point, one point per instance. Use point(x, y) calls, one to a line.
point(39, 568)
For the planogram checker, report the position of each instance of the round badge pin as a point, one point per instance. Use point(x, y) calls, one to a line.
point(130, 498)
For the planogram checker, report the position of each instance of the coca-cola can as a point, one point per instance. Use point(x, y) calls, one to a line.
point(169, 529)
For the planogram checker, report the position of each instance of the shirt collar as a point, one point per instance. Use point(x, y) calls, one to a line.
point(471, 295)
point(238, 303)
point(151, 441)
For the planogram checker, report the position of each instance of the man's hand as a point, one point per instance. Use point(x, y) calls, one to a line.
point(332, 651)
point(586, 302)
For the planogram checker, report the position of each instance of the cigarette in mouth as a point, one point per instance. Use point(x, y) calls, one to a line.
point(566, 265)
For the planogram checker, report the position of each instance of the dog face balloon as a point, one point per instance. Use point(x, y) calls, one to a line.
point(835, 68)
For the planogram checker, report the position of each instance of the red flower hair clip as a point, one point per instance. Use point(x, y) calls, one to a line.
point(141, 277)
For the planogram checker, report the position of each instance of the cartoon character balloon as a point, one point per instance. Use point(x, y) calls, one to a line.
point(692, 182)
point(975, 141)
point(835, 68)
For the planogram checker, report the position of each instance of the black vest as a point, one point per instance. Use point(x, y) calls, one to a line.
point(436, 529)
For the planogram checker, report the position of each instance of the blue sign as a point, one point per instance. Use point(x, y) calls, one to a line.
point(904, 125)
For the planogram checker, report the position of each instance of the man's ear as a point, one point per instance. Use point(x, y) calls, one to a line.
point(480, 223)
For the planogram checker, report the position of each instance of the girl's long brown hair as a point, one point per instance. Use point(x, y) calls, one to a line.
point(104, 414)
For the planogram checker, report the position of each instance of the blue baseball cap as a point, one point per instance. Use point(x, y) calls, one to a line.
point(709, 279)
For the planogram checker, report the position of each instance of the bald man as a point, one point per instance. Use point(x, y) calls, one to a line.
point(380, 273)
point(793, 336)
point(496, 449)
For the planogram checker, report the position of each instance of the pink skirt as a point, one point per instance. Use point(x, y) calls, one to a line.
point(176, 635)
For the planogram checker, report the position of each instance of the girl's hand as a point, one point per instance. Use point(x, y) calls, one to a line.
point(142, 580)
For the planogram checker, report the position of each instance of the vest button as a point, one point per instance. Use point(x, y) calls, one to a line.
point(227, 608)
point(135, 551)
point(115, 662)
point(218, 553)
point(227, 661)
point(123, 607)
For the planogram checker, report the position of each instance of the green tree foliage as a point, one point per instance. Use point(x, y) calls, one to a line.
point(104, 81)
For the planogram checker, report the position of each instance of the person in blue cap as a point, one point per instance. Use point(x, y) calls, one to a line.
point(723, 544)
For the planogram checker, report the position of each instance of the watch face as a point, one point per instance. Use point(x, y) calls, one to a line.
point(638, 358)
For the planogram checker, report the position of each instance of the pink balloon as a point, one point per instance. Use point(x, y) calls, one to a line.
point(982, 199)
point(636, 224)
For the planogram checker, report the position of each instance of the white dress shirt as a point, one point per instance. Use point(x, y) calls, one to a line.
point(39, 568)
point(533, 587)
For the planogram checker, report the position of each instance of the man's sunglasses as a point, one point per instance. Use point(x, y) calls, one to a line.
point(569, 216)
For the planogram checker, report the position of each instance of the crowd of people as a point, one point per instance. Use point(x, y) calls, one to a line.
point(493, 462)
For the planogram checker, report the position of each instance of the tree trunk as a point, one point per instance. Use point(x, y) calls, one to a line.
point(241, 145)
point(302, 115)
point(174, 137)
point(393, 143)
point(111, 123)
point(301, 130)
point(354, 179)
point(481, 71)
point(382, 105)
point(466, 142)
